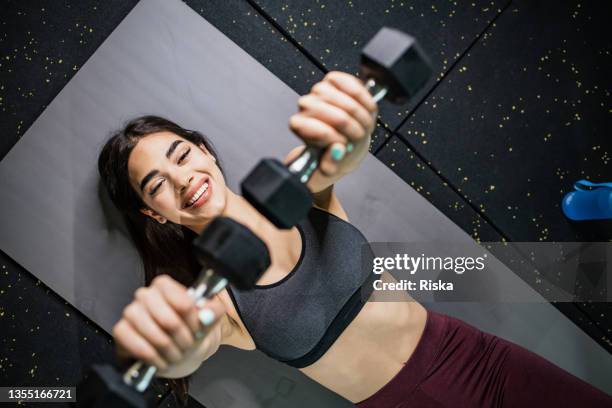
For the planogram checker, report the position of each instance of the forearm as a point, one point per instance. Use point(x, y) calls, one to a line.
point(323, 198)
point(203, 349)
point(180, 370)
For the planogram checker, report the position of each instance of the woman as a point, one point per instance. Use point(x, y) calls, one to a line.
point(306, 309)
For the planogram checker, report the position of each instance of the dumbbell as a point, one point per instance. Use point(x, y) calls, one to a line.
point(228, 252)
point(395, 68)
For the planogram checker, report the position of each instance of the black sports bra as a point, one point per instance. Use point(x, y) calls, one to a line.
point(296, 319)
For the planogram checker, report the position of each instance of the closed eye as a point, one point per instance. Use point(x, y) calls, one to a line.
point(184, 155)
point(179, 161)
point(156, 188)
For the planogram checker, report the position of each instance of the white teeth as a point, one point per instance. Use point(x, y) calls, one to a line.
point(197, 194)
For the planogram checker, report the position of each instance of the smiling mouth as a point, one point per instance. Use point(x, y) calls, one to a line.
point(200, 196)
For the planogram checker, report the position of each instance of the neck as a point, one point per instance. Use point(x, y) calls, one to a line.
point(240, 210)
point(277, 240)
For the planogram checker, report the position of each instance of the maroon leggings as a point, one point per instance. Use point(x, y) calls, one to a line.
point(457, 365)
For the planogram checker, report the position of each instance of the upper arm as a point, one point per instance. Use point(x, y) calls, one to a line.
point(330, 203)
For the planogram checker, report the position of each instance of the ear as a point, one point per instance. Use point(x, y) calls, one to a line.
point(150, 213)
point(205, 150)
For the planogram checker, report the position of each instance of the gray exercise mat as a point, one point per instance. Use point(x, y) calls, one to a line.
point(165, 59)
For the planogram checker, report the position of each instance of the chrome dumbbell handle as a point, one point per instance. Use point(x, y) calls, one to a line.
point(208, 283)
point(308, 161)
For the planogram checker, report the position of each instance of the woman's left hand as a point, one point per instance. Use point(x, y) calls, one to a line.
point(339, 115)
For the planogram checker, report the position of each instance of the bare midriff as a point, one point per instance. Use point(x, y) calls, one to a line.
point(371, 350)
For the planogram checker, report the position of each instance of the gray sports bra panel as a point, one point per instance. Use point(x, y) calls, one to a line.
point(296, 319)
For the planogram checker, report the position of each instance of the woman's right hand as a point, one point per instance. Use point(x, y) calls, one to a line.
point(159, 327)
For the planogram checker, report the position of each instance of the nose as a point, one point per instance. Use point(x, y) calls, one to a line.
point(184, 185)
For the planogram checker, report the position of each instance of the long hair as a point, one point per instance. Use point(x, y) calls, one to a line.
point(164, 248)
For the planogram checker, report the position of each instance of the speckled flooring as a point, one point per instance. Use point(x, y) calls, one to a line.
point(518, 109)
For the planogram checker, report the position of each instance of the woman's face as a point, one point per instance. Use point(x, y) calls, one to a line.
point(177, 180)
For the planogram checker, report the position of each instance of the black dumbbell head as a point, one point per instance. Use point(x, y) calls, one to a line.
point(396, 61)
point(104, 387)
point(232, 251)
point(277, 193)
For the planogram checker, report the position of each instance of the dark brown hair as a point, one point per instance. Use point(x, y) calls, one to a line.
point(164, 248)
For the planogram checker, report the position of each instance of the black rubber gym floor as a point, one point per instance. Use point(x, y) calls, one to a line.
point(519, 109)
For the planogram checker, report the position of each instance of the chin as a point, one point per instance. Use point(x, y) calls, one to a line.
point(207, 213)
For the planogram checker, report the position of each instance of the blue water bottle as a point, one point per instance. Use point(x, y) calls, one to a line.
point(589, 201)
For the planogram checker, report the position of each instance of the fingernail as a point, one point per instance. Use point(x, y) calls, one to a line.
point(337, 152)
point(206, 316)
point(349, 147)
point(200, 303)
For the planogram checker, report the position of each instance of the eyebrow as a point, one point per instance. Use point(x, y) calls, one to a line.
point(152, 173)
